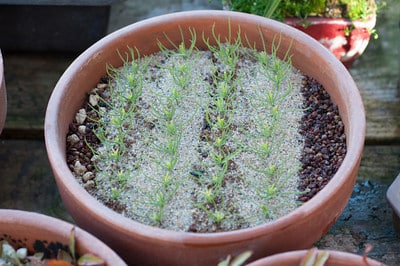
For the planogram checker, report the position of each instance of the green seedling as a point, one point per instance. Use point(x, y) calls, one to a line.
point(209, 195)
point(218, 216)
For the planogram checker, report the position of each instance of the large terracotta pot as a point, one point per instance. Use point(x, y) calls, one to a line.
point(336, 258)
point(3, 96)
point(145, 245)
point(41, 233)
point(346, 39)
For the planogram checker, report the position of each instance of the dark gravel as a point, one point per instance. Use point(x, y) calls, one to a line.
point(324, 142)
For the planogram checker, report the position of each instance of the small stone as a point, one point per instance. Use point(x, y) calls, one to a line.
point(102, 86)
point(89, 184)
point(87, 176)
point(93, 100)
point(82, 129)
point(73, 139)
point(79, 169)
point(81, 116)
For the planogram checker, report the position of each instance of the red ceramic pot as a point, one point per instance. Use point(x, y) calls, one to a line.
point(3, 96)
point(41, 233)
point(146, 245)
point(336, 258)
point(346, 39)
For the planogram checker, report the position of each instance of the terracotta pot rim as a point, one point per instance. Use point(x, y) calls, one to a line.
point(57, 158)
point(334, 255)
point(35, 220)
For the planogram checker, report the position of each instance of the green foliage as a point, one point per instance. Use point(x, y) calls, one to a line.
point(258, 7)
point(301, 8)
point(359, 9)
point(280, 9)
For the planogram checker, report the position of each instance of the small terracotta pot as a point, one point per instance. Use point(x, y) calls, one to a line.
point(41, 233)
point(3, 95)
point(145, 245)
point(336, 258)
point(345, 38)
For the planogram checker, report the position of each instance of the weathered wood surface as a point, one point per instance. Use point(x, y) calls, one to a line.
point(377, 76)
point(30, 79)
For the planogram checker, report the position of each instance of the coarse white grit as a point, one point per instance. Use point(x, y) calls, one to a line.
point(144, 161)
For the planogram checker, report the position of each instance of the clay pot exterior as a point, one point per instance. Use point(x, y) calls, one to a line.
point(145, 245)
point(393, 197)
point(3, 95)
point(41, 233)
point(336, 258)
point(346, 39)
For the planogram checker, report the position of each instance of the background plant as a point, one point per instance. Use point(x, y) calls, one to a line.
point(280, 9)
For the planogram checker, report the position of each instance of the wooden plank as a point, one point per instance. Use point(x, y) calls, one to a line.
point(376, 73)
point(380, 162)
point(27, 182)
point(30, 79)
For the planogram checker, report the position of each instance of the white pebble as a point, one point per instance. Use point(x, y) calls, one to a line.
point(22, 253)
point(72, 139)
point(93, 99)
point(102, 86)
point(81, 116)
point(87, 176)
point(79, 169)
point(82, 129)
point(89, 184)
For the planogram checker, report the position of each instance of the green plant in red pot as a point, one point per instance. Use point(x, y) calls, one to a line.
point(82, 94)
point(342, 26)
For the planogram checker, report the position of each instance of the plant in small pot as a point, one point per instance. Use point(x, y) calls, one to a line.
point(226, 151)
point(3, 96)
point(314, 257)
point(343, 26)
point(28, 238)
